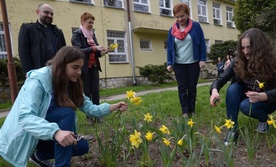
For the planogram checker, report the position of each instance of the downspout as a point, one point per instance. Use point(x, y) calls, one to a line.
point(131, 44)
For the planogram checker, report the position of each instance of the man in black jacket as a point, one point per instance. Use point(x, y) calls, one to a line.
point(38, 42)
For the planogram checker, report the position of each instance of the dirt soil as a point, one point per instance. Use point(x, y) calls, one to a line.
point(264, 157)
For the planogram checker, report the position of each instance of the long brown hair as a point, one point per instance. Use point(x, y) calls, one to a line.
point(66, 92)
point(262, 62)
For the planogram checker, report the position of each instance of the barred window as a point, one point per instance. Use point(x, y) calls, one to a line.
point(141, 5)
point(114, 3)
point(3, 50)
point(118, 55)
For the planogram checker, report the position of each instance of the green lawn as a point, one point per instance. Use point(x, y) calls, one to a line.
point(165, 109)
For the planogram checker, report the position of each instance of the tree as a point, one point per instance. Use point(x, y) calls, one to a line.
point(221, 50)
point(256, 13)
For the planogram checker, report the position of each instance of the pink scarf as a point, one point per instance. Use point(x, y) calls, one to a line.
point(88, 35)
point(182, 35)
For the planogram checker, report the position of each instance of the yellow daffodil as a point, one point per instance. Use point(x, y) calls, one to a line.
point(113, 46)
point(271, 121)
point(166, 141)
point(136, 100)
point(218, 129)
point(180, 142)
point(191, 123)
point(130, 94)
point(261, 84)
point(165, 130)
point(135, 139)
point(149, 136)
point(229, 123)
point(147, 117)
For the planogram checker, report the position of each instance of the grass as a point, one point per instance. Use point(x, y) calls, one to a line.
point(116, 91)
point(164, 107)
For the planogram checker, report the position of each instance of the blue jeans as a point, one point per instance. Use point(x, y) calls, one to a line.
point(187, 76)
point(65, 118)
point(236, 100)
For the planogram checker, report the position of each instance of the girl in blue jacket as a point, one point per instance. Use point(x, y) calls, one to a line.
point(41, 123)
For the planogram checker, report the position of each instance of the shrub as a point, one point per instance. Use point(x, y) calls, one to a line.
point(4, 77)
point(155, 73)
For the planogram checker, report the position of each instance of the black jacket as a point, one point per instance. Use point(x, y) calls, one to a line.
point(32, 45)
point(229, 74)
point(80, 41)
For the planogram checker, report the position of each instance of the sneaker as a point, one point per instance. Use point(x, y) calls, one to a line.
point(185, 116)
point(232, 137)
point(262, 127)
point(35, 160)
point(92, 121)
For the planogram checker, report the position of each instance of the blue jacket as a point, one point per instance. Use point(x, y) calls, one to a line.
point(26, 124)
point(199, 46)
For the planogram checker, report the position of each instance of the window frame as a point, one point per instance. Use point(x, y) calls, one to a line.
point(115, 52)
point(82, 1)
point(162, 7)
point(217, 14)
point(3, 53)
point(149, 43)
point(122, 2)
point(202, 7)
point(229, 23)
point(142, 4)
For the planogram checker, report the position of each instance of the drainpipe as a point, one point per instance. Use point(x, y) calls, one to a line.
point(131, 44)
point(10, 65)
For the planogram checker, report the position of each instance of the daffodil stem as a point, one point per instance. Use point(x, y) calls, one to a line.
point(250, 109)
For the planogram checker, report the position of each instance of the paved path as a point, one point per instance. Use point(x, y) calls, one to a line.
point(122, 96)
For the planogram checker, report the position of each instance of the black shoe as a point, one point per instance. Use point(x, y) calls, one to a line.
point(45, 163)
point(232, 137)
point(262, 127)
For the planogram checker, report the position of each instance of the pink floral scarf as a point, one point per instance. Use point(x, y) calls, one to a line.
point(88, 35)
point(182, 35)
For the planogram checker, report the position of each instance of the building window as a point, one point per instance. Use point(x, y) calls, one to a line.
point(229, 17)
point(207, 43)
point(165, 7)
point(216, 14)
point(165, 45)
point(218, 41)
point(114, 3)
point(3, 50)
point(145, 45)
point(187, 2)
point(141, 5)
point(119, 54)
point(202, 11)
point(82, 1)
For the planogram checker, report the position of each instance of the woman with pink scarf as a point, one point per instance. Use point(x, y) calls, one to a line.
point(85, 39)
point(186, 55)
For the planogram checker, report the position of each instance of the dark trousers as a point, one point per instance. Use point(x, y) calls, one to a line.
point(187, 77)
point(237, 101)
point(65, 118)
point(91, 84)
